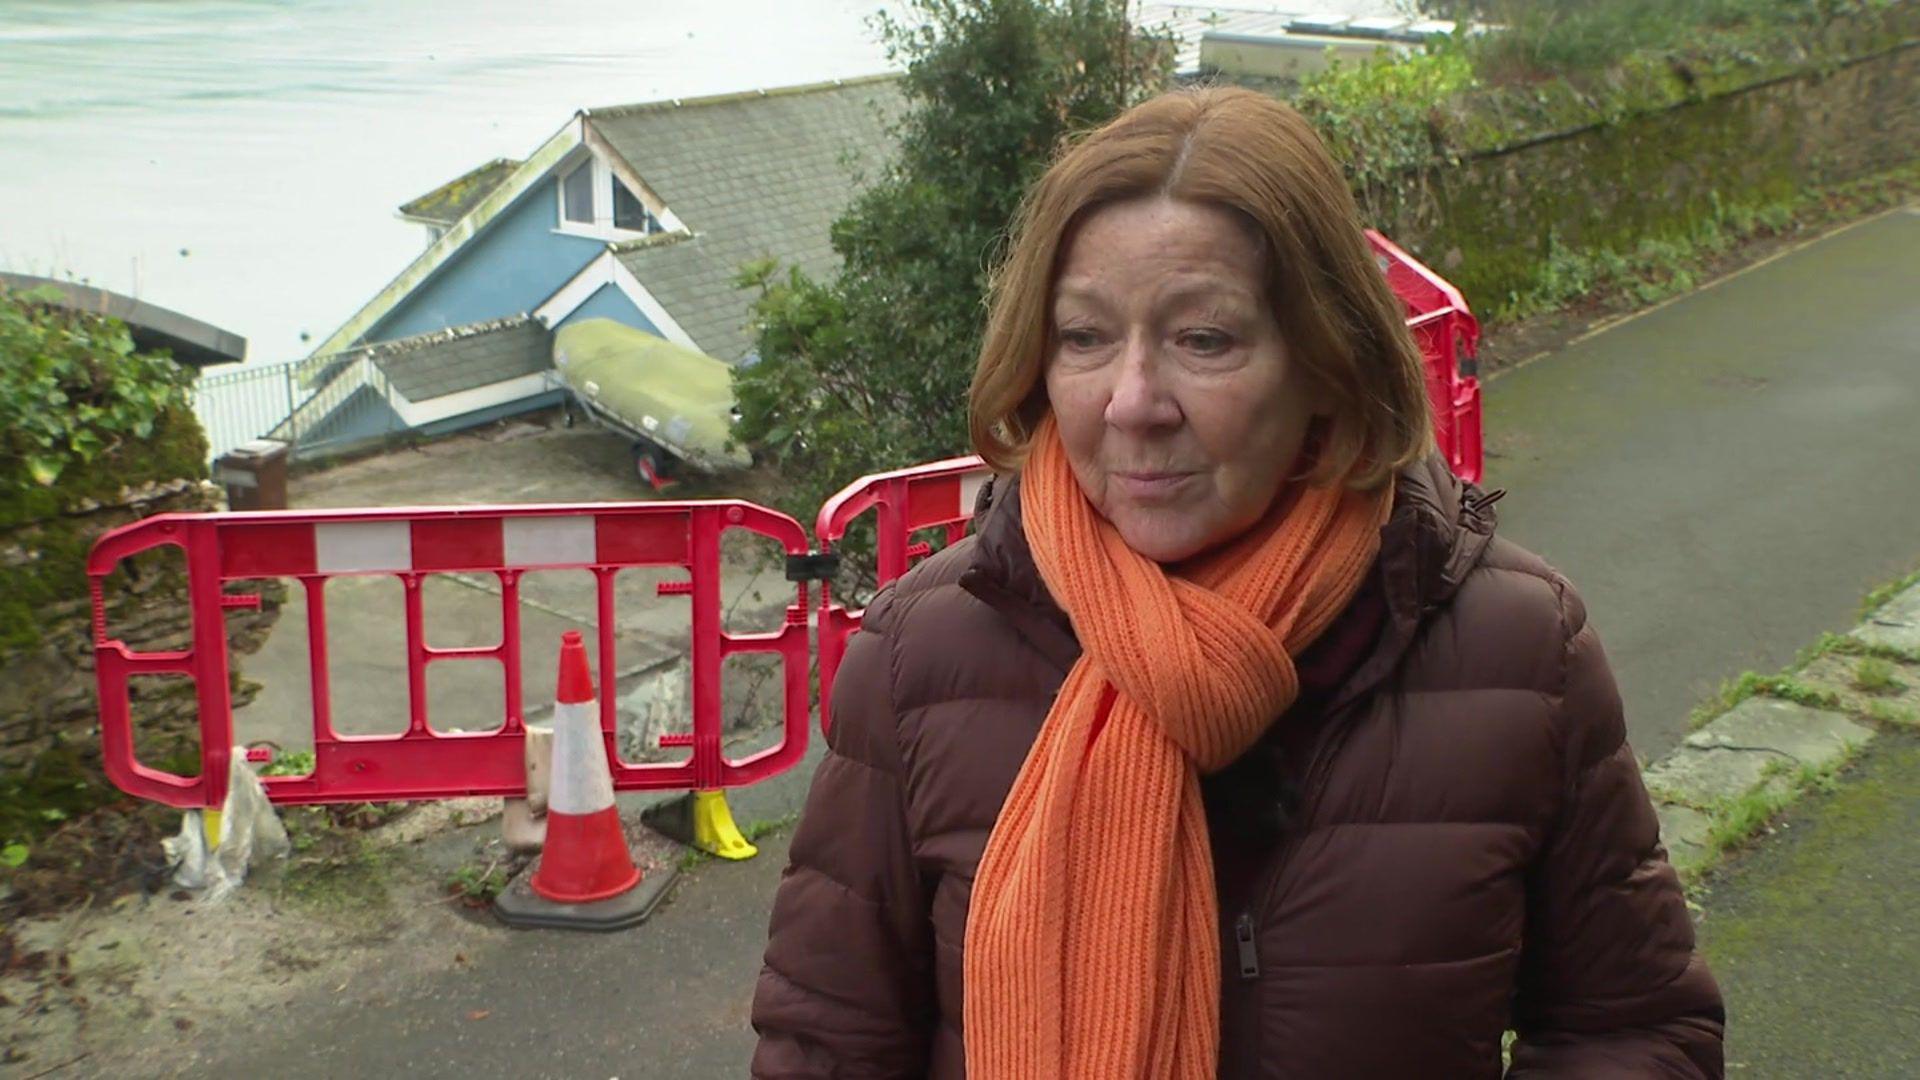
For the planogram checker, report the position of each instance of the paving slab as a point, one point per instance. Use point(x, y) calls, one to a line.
point(1684, 831)
point(1731, 755)
point(1894, 702)
point(1896, 625)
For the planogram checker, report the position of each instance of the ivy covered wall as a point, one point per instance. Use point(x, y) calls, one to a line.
point(1516, 185)
point(96, 435)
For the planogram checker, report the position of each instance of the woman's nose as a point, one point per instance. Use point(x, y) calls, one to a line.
point(1140, 399)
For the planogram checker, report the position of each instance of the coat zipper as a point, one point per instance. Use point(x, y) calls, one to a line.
point(1249, 953)
point(1316, 778)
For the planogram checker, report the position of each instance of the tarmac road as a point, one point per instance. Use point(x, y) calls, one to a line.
point(1723, 478)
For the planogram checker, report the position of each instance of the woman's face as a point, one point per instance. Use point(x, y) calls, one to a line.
point(1178, 404)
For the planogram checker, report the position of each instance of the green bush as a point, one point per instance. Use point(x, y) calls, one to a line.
point(1386, 120)
point(1531, 39)
point(73, 389)
point(82, 415)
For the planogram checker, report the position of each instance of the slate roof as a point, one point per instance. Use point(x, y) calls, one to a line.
point(450, 201)
point(443, 362)
point(752, 175)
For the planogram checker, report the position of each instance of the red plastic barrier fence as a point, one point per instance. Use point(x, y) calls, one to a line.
point(1449, 339)
point(422, 763)
point(940, 495)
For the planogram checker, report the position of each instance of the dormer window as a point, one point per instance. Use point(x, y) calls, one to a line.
point(594, 202)
point(630, 214)
point(576, 195)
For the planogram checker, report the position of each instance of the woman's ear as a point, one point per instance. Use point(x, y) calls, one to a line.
point(1312, 445)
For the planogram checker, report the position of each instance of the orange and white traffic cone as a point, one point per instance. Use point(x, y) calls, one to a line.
point(585, 877)
point(585, 857)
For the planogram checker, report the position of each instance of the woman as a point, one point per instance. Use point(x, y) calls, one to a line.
point(1233, 742)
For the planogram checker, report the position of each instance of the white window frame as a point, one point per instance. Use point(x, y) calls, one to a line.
point(602, 227)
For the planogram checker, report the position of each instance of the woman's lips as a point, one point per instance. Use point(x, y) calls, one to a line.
point(1151, 486)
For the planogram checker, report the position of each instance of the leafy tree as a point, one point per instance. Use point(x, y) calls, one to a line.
point(868, 370)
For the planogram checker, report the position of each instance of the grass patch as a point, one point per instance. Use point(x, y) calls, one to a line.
point(1736, 820)
point(1841, 645)
point(1785, 686)
point(476, 886)
point(289, 763)
point(1878, 598)
point(1886, 712)
point(1658, 268)
point(332, 869)
point(1876, 675)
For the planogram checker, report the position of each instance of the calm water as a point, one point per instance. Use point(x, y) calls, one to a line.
point(241, 160)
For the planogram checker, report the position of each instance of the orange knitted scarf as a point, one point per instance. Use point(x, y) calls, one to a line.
point(1092, 946)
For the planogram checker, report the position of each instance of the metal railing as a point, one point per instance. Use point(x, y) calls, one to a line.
point(238, 406)
point(291, 401)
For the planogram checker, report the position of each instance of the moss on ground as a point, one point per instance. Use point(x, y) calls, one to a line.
point(1801, 887)
point(333, 868)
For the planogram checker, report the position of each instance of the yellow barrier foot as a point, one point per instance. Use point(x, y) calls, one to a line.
point(210, 820)
point(713, 828)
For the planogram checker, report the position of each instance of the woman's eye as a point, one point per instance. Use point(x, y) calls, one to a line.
point(1204, 342)
point(1079, 338)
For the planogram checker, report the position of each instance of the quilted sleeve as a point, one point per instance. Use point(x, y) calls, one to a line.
point(846, 989)
point(1610, 983)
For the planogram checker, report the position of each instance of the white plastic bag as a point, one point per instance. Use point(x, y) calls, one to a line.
point(250, 834)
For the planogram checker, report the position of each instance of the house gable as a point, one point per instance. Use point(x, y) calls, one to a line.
point(754, 175)
point(531, 172)
point(516, 263)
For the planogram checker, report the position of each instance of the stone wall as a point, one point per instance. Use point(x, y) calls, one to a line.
point(47, 697)
point(1491, 223)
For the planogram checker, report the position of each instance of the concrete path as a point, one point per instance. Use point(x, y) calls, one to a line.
point(1722, 478)
point(1725, 477)
point(1812, 934)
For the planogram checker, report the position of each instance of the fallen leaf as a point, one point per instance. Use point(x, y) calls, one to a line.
point(479, 1014)
point(181, 1023)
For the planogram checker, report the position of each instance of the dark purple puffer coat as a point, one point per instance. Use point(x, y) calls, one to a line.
point(1446, 837)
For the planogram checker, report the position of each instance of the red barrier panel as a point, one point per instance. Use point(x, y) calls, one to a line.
point(1449, 339)
point(940, 495)
point(421, 763)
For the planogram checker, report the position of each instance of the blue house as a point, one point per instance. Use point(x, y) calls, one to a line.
point(640, 213)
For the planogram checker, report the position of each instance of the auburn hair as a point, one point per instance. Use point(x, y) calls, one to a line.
point(1246, 152)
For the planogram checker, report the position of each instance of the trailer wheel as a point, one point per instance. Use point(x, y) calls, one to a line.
point(650, 465)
